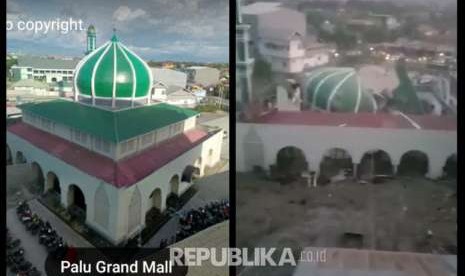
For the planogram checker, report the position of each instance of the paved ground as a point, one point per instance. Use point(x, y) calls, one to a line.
point(34, 252)
point(208, 116)
point(216, 236)
point(214, 187)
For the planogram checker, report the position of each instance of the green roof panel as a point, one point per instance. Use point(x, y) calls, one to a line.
point(115, 126)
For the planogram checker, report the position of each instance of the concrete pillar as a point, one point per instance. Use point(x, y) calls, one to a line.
point(315, 178)
point(395, 169)
point(435, 170)
point(355, 171)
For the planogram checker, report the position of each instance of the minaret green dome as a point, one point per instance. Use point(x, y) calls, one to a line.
point(112, 72)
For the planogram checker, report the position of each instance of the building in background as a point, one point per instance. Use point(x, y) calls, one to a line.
point(279, 36)
point(169, 77)
point(47, 69)
point(244, 62)
point(202, 75)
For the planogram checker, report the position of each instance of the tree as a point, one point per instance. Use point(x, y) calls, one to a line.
point(9, 63)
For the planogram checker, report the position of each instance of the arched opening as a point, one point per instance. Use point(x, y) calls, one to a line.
point(9, 157)
point(190, 173)
point(290, 163)
point(53, 183)
point(413, 163)
point(375, 162)
point(336, 164)
point(450, 168)
point(154, 210)
point(76, 202)
point(20, 158)
point(173, 198)
point(39, 181)
point(134, 211)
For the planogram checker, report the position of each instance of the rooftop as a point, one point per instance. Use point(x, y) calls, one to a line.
point(47, 63)
point(260, 8)
point(121, 173)
point(368, 120)
point(110, 125)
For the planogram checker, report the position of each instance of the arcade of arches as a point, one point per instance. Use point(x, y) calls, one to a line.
point(291, 162)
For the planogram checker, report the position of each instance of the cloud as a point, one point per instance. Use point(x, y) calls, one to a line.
point(12, 7)
point(124, 13)
point(156, 29)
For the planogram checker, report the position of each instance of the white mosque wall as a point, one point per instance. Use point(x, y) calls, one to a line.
point(258, 144)
point(116, 228)
point(190, 123)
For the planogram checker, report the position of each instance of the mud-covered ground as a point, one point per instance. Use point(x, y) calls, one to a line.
point(403, 214)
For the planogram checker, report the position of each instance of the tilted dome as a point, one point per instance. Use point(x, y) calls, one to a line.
point(112, 72)
point(337, 90)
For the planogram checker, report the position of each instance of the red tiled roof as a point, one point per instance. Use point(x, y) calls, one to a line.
point(121, 173)
point(369, 120)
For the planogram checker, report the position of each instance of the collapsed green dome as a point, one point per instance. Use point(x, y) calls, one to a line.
point(112, 71)
point(337, 90)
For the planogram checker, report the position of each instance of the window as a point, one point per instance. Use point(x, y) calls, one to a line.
point(80, 137)
point(128, 146)
point(147, 139)
point(106, 146)
point(98, 143)
point(46, 124)
point(176, 128)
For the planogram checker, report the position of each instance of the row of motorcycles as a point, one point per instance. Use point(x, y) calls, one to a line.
point(15, 258)
point(37, 227)
point(196, 220)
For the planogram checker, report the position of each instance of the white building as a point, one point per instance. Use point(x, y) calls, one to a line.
point(203, 75)
point(169, 77)
point(114, 159)
point(174, 95)
point(279, 36)
point(288, 53)
point(48, 69)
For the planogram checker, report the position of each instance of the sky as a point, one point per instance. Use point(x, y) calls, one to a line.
point(180, 30)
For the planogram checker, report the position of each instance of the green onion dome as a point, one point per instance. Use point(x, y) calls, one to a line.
point(112, 72)
point(91, 30)
point(337, 90)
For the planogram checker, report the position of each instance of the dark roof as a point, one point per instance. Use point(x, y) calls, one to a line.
point(47, 63)
point(111, 125)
